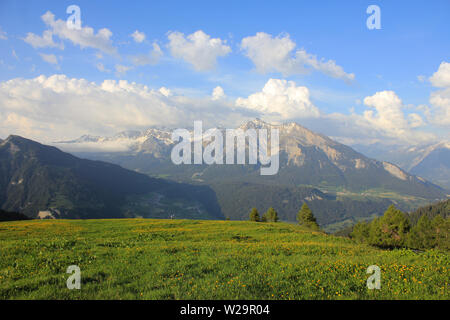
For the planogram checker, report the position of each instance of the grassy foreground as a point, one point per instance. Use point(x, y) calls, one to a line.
point(187, 259)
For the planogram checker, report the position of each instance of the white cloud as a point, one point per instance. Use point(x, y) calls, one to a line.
point(102, 68)
point(60, 108)
point(329, 67)
point(421, 78)
point(271, 54)
point(151, 58)
point(41, 42)
point(415, 120)
point(138, 36)
point(85, 37)
point(276, 54)
point(14, 54)
point(49, 58)
point(121, 69)
point(441, 78)
point(198, 49)
point(281, 99)
point(354, 129)
point(439, 113)
point(165, 91)
point(218, 93)
point(389, 116)
point(383, 122)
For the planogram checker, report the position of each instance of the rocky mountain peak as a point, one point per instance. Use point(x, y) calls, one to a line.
point(255, 124)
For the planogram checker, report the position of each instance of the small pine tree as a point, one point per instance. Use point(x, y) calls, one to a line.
point(306, 218)
point(422, 234)
point(441, 229)
point(271, 215)
point(360, 232)
point(264, 217)
point(390, 230)
point(254, 215)
point(275, 217)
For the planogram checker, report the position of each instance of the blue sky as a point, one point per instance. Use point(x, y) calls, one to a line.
point(401, 57)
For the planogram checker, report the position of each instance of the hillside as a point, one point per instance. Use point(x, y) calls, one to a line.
point(38, 179)
point(306, 158)
point(435, 165)
point(12, 216)
point(187, 259)
point(431, 161)
point(341, 185)
point(441, 208)
point(237, 199)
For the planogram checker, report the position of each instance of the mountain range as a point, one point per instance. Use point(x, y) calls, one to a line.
point(339, 183)
point(430, 161)
point(306, 158)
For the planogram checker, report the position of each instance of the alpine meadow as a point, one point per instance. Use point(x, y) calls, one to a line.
point(224, 159)
point(198, 259)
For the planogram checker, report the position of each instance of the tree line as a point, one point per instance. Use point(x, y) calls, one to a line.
point(305, 217)
point(394, 230)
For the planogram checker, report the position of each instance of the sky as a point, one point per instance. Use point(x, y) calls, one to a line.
point(136, 64)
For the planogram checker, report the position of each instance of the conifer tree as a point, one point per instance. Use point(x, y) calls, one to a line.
point(441, 228)
point(271, 215)
point(422, 235)
point(254, 215)
point(264, 217)
point(306, 218)
point(390, 230)
point(360, 232)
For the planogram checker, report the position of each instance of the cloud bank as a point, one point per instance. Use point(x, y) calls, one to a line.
point(62, 108)
point(57, 107)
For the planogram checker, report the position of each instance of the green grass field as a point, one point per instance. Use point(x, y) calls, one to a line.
point(187, 259)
